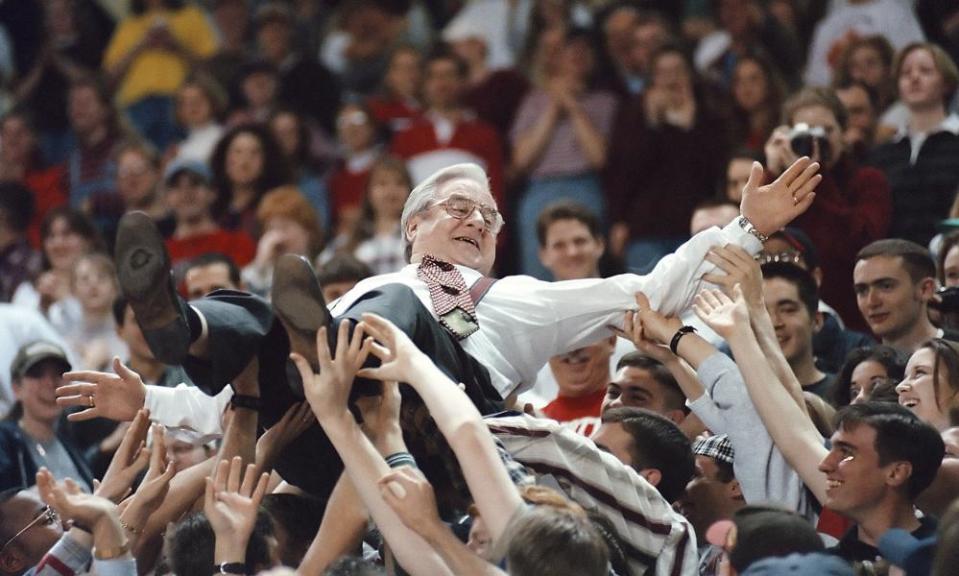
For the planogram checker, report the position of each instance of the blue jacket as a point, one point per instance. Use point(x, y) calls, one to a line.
point(17, 467)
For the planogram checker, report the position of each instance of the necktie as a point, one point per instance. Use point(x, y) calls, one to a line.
point(450, 296)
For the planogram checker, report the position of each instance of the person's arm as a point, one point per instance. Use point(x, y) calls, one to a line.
point(296, 420)
point(185, 488)
point(341, 530)
point(790, 428)
point(530, 141)
point(455, 415)
point(590, 139)
point(328, 392)
point(240, 437)
point(152, 490)
point(231, 508)
point(411, 496)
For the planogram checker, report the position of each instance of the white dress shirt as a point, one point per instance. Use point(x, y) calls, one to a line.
point(524, 321)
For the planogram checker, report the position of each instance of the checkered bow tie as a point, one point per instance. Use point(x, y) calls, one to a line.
point(448, 291)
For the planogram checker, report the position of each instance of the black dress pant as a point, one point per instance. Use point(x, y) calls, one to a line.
point(242, 326)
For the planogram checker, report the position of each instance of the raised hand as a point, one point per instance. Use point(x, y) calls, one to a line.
point(231, 506)
point(740, 268)
point(393, 347)
point(411, 496)
point(115, 396)
point(724, 315)
point(381, 414)
point(71, 502)
point(271, 444)
point(774, 205)
point(328, 391)
point(155, 485)
point(128, 461)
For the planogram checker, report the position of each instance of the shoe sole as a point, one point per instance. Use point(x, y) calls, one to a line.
point(299, 304)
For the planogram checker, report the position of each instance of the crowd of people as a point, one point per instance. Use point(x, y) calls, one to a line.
point(526, 287)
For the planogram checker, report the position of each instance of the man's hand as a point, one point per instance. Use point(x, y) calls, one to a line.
point(271, 444)
point(394, 348)
point(411, 496)
point(724, 315)
point(115, 396)
point(328, 391)
point(740, 268)
point(71, 503)
point(128, 461)
point(381, 415)
point(231, 507)
point(772, 206)
point(154, 487)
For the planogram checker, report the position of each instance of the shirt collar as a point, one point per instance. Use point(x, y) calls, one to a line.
point(949, 124)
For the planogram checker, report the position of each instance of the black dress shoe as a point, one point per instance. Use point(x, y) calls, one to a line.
point(143, 269)
point(299, 305)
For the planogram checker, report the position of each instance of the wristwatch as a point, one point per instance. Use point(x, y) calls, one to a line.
point(245, 401)
point(237, 568)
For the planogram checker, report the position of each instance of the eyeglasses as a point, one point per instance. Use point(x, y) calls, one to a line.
point(461, 207)
point(46, 517)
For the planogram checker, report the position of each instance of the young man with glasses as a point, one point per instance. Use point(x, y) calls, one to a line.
point(493, 338)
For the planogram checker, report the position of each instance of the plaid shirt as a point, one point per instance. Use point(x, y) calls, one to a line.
point(656, 539)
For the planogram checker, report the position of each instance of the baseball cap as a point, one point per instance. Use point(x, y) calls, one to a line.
point(757, 532)
point(32, 353)
point(914, 555)
point(717, 447)
point(815, 564)
point(180, 165)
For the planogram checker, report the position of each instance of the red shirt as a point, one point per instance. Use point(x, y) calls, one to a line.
point(235, 244)
point(49, 192)
point(582, 408)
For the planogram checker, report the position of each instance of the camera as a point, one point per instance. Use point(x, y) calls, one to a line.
point(806, 140)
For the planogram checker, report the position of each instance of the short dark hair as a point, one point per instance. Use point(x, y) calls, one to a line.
point(343, 268)
point(803, 281)
point(16, 206)
point(675, 398)
point(566, 210)
point(211, 258)
point(190, 543)
point(659, 444)
point(443, 51)
point(887, 356)
point(915, 259)
point(548, 540)
point(298, 515)
point(815, 96)
point(900, 436)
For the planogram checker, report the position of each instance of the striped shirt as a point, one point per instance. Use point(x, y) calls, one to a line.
point(657, 540)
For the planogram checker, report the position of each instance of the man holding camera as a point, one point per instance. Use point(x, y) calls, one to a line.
point(854, 206)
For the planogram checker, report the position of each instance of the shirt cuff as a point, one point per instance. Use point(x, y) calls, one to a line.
point(735, 234)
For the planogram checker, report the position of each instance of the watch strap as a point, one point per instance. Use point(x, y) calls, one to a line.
point(674, 343)
point(237, 568)
point(246, 401)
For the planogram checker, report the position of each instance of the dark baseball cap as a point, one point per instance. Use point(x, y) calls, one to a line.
point(33, 353)
point(914, 555)
point(800, 565)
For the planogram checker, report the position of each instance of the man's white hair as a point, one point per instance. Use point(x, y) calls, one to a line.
point(420, 197)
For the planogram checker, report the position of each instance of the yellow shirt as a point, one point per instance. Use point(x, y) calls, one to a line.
point(158, 72)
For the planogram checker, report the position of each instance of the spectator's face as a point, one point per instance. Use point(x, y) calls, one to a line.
point(647, 38)
point(189, 197)
point(706, 218)
point(244, 159)
point(63, 246)
point(201, 280)
point(921, 85)
point(471, 50)
point(194, 107)
point(793, 323)
point(576, 59)
point(571, 251)
point(823, 117)
point(388, 192)
point(750, 86)
point(404, 74)
point(136, 178)
point(856, 483)
point(132, 336)
point(950, 438)
point(734, 16)
point(95, 286)
point(583, 371)
point(259, 89)
point(671, 73)
point(922, 394)
point(86, 111)
point(467, 241)
point(613, 438)
point(888, 299)
point(866, 66)
point(861, 118)
point(333, 290)
point(23, 510)
point(36, 390)
point(634, 387)
point(950, 267)
point(294, 238)
point(355, 129)
point(443, 84)
point(273, 37)
point(286, 131)
point(708, 499)
point(864, 377)
point(184, 454)
point(18, 141)
point(737, 174)
point(619, 29)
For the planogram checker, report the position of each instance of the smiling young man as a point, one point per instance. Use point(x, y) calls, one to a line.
point(494, 342)
point(792, 301)
point(894, 281)
point(642, 382)
point(582, 376)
